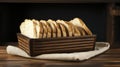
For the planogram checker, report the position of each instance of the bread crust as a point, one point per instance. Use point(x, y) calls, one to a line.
point(82, 31)
point(67, 27)
point(47, 28)
point(71, 28)
point(39, 28)
point(78, 22)
point(57, 28)
point(63, 30)
point(77, 32)
point(53, 28)
point(85, 27)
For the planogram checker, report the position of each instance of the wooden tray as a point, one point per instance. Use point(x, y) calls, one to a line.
point(56, 45)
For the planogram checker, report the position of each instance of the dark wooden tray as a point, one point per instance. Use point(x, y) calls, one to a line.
point(56, 45)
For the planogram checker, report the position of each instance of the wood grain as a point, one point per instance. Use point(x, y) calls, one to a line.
point(110, 58)
point(56, 45)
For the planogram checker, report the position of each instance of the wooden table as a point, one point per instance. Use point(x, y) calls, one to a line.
point(110, 58)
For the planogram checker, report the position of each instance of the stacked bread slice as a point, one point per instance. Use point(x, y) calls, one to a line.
point(52, 29)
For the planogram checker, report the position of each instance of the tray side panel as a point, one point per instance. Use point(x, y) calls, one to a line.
point(56, 45)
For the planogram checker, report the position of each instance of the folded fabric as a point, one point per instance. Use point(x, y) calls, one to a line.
point(100, 47)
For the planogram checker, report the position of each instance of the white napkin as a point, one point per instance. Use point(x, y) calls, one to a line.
point(100, 47)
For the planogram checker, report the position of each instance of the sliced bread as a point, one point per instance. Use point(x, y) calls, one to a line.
point(47, 27)
point(28, 28)
point(39, 28)
point(62, 28)
point(76, 32)
point(78, 22)
point(58, 31)
point(53, 28)
point(67, 27)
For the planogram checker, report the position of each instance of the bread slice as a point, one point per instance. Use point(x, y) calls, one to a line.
point(22, 27)
point(76, 32)
point(81, 30)
point(28, 29)
point(53, 28)
point(56, 28)
point(72, 28)
point(62, 28)
point(47, 28)
point(67, 27)
point(39, 28)
point(78, 22)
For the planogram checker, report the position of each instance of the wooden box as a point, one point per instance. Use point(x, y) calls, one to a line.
point(56, 45)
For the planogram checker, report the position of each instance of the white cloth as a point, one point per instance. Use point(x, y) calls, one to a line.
point(100, 47)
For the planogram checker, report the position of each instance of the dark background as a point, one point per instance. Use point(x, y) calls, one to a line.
point(12, 14)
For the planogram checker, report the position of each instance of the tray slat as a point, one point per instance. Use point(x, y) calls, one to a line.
point(62, 47)
point(63, 44)
point(77, 49)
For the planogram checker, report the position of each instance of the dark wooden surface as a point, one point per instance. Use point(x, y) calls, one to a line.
point(110, 58)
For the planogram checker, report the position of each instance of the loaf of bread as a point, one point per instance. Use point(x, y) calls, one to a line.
point(52, 29)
